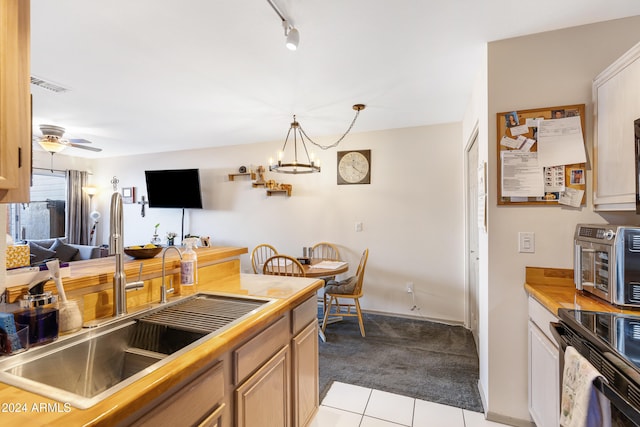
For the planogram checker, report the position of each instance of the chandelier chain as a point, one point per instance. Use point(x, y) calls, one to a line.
point(335, 144)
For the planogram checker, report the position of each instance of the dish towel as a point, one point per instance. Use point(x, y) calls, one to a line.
point(582, 405)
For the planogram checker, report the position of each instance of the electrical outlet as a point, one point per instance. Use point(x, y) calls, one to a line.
point(409, 287)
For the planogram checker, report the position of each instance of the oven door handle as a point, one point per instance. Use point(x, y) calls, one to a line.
point(557, 330)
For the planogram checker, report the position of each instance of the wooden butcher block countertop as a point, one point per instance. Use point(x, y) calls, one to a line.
point(554, 289)
point(23, 408)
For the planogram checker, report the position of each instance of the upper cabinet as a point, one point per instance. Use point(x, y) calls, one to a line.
point(616, 100)
point(15, 101)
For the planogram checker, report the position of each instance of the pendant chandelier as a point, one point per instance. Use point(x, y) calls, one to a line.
point(311, 165)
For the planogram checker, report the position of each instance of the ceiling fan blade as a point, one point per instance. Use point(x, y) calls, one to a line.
point(79, 141)
point(85, 147)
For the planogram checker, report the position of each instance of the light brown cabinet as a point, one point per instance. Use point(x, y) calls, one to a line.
point(305, 375)
point(199, 402)
point(15, 101)
point(264, 398)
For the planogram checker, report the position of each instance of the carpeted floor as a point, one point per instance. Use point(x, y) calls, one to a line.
point(416, 358)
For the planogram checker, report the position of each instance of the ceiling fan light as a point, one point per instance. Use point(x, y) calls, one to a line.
point(293, 38)
point(51, 146)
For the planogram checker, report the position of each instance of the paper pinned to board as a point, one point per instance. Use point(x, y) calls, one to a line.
point(571, 197)
point(560, 142)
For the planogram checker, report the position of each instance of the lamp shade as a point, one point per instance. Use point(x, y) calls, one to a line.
point(293, 38)
point(51, 146)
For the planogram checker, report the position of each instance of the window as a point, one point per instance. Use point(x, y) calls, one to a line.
point(44, 216)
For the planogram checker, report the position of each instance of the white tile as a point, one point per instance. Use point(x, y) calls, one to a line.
point(390, 407)
point(429, 414)
point(374, 422)
point(476, 419)
point(332, 417)
point(348, 397)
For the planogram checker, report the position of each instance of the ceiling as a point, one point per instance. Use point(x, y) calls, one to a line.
point(163, 75)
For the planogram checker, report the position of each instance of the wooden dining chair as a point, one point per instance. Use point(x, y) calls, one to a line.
point(326, 250)
point(350, 289)
point(283, 265)
point(260, 254)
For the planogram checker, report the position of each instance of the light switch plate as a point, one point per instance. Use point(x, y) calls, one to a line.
point(526, 242)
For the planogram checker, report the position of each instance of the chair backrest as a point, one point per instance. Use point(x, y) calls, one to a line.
point(260, 254)
point(360, 272)
point(326, 250)
point(283, 265)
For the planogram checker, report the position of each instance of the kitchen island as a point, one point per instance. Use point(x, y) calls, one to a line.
point(265, 366)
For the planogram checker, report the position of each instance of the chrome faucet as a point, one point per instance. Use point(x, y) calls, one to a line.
point(163, 288)
point(116, 247)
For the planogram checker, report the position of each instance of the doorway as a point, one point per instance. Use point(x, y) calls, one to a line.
point(472, 225)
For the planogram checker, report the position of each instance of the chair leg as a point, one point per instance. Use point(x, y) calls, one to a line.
point(326, 314)
point(357, 303)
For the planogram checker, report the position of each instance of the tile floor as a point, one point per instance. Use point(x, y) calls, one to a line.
point(347, 405)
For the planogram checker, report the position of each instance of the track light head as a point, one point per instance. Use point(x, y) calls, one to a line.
point(293, 38)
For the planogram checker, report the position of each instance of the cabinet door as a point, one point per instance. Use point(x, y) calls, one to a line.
point(305, 374)
point(199, 402)
point(263, 399)
point(15, 101)
point(544, 379)
point(616, 95)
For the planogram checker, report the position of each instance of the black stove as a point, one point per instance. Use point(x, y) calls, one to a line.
point(611, 343)
point(611, 332)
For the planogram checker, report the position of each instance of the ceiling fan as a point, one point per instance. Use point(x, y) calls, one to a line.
point(53, 142)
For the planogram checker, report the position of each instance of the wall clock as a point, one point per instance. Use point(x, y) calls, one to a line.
point(354, 167)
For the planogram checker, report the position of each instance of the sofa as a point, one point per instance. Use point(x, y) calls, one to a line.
point(59, 248)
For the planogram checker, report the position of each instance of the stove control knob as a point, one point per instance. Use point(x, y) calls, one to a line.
point(609, 234)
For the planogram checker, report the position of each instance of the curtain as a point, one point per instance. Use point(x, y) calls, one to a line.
point(77, 208)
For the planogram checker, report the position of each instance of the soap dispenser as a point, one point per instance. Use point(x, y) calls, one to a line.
point(189, 267)
point(39, 311)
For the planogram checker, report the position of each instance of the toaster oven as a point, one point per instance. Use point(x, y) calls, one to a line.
point(607, 262)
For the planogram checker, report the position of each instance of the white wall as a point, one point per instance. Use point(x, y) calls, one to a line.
point(411, 212)
point(543, 70)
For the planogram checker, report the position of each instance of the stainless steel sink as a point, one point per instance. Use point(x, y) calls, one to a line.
point(86, 368)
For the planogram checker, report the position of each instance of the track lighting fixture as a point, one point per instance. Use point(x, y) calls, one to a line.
point(290, 32)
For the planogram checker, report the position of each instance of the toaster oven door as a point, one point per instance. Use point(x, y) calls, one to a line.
point(595, 270)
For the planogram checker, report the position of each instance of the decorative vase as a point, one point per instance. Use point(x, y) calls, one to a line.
point(156, 240)
point(170, 241)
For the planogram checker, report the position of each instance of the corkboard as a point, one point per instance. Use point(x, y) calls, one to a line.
point(574, 174)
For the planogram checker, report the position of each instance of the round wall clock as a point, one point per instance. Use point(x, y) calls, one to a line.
point(354, 167)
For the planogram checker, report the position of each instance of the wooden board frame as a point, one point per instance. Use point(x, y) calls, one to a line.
point(570, 170)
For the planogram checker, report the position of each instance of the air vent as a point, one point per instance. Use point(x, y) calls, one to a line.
point(53, 87)
point(634, 244)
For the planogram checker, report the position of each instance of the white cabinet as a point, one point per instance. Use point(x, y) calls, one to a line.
point(544, 368)
point(616, 100)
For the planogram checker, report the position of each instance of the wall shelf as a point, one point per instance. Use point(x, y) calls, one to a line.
point(271, 192)
point(232, 176)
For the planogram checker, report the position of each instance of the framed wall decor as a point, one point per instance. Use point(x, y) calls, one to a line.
point(128, 194)
point(354, 167)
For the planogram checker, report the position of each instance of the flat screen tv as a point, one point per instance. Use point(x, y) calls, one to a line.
point(175, 188)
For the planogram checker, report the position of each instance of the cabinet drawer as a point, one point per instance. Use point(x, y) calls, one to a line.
point(303, 314)
point(541, 317)
point(249, 356)
point(191, 404)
